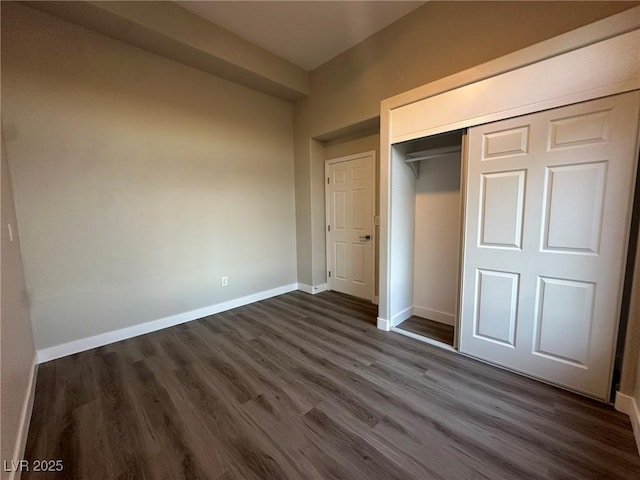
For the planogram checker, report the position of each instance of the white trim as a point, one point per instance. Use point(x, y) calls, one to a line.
point(25, 419)
point(605, 68)
point(422, 339)
point(627, 404)
point(623, 403)
point(76, 346)
point(384, 324)
point(401, 316)
point(303, 287)
point(348, 158)
point(435, 315)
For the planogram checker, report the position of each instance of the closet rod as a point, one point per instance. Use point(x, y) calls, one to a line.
point(431, 153)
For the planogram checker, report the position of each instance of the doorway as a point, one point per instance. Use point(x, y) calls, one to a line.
point(436, 163)
point(350, 207)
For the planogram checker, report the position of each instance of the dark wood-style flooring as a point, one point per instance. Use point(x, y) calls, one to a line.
point(305, 387)
point(429, 328)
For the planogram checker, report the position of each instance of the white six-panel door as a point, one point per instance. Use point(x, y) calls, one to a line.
point(350, 202)
point(547, 213)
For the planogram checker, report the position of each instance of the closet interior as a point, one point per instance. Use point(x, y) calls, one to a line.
point(436, 163)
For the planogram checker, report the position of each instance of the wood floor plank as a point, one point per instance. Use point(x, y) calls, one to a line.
point(426, 407)
point(408, 458)
point(363, 460)
point(272, 416)
point(305, 387)
point(316, 336)
point(429, 328)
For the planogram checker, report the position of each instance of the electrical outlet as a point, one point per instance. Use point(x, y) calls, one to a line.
point(225, 281)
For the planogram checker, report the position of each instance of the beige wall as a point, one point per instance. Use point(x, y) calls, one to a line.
point(303, 145)
point(16, 339)
point(167, 29)
point(352, 146)
point(436, 40)
point(139, 181)
point(437, 238)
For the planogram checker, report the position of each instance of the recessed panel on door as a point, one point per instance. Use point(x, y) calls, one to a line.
point(358, 260)
point(359, 174)
point(339, 176)
point(579, 130)
point(563, 320)
point(506, 143)
point(574, 199)
point(340, 210)
point(360, 199)
point(340, 255)
point(496, 306)
point(502, 204)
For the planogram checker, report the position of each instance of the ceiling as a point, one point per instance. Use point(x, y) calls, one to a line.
point(305, 33)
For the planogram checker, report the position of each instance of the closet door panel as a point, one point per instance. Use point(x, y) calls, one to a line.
point(501, 212)
point(564, 313)
point(580, 130)
point(496, 306)
point(567, 190)
point(574, 197)
point(505, 143)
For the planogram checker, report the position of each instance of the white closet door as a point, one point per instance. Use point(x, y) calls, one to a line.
point(547, 216)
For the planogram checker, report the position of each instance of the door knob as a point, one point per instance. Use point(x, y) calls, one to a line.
point(364, 238)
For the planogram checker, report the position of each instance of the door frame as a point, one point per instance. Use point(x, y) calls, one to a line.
point(371, 154)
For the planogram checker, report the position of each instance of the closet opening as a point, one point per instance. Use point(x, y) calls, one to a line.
point(436, 162)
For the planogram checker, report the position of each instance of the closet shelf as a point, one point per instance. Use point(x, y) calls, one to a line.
point(432, 153)
point(413, 158)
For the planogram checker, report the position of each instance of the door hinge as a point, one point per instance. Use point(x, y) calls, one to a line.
point(327, 180)
point(329, 273)
point(328, 228)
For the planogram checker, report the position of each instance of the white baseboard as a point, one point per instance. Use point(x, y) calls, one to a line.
point(312, 289)
point(435, 315)
point(623, 403)
point(25, 420)
point(384, 324)
point(627, 404)
point(76, 346)
point(400, 317)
